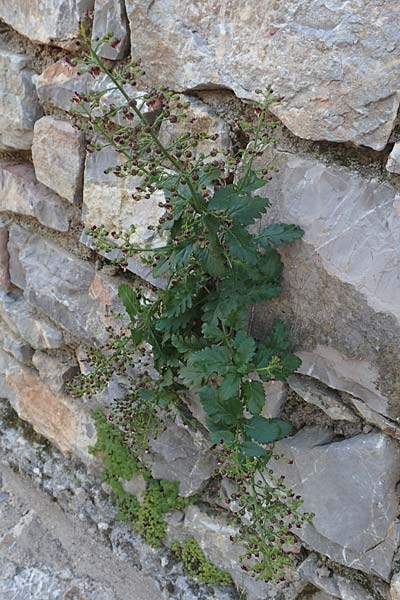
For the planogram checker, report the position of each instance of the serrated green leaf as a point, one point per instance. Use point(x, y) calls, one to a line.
point(230, 386)
point(241, 244)
point(212, 332)
point(245, 347)
point(218, 435)
point(221, 414)
point(254, 396)
point(280, 233)
point(252, 449)
point(266, 431)
point(129, 300)
point(202, 364)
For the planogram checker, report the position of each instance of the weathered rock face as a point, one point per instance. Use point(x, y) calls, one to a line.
point(349, 485)
point(21, 318)
point(4, 257)
point(110, 17)
point(22, 194)
point(323, 58)
point(393, 163)
point(68, 289)
point(58, 154)
point(19, 106)
point(342, 279)
point(46, 21)
point(180, 454)
point(51, 415)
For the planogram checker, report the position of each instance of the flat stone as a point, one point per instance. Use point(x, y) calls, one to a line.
point(22, 319)
point(393, 163)
point(22, 194)
point(199, 119)
point(17, 347)
point(55, 416)
point(344, 271)
point(276, 394)
point(395, 587)
point(4, 257)
point(18, 236)
point(69, 290)
point(47, 21)
point(58, 154)
point(110, 17)
point(55, 370)
point(323, 58)
point(331, 583)
point(19, 106)
point(350, 486)
point(376, 419)
point(326, 399)
point(58, 84)
point(182, 454)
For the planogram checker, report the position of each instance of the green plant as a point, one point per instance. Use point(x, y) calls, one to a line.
point(214, 269)
point(197, 564)
point(160, 497)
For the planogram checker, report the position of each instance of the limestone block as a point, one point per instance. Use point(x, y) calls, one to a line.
point(199, 119)
point(110, 17)
point(55, 416)
point(333, 584)
point(55, 370)
point(19, 106)
point(182, 454)
point(342, 281)
point(395, 587)
point(69, 290)
point(17, 347)
point(22, 194)
point(22, 319)
point(46, 21)
point(4, 257)
point(350, 486)
point(18, 236)
point(58, 153)
point(328, 400)
point(322, 57)
point(393, 163)
point(58, 84)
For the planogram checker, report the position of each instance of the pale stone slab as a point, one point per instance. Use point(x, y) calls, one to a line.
point(69, 290)
point(22, 319)
point(55, 370)
point(55, 416)
point(58, 154)
point(393, 163)
point(110, 17)
point(46, 21)
point(19, 105)
point(322, 56)
point(22, 194)
point(4, 257)
point(350, 486)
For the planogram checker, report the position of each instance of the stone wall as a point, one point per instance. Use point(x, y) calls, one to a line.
point(336, 174)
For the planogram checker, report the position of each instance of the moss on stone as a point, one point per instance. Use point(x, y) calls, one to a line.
point(198, 566)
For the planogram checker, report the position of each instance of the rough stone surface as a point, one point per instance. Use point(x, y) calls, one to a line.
point(54, 416)
point(55, 371)
point(22, 319)
point(87, 508)
point(333, 584)
point(349, 485)
point(395, 587)
point(19, 106)
point(18, 237)
point(393, 163)
point(181, 454)
point(22, 194)
point(69, 290)
point(326, 399)
point(17, 347)
point(49, 555)
point(376, 419)
point(199, 119)
point(322, 57)
point(4, 257)
point(46, 21)
point(58, 153)
point(110, 17)
point(276, 393)
point(341, 281)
